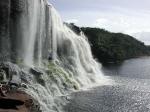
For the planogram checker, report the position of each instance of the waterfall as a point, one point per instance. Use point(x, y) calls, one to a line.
point(35, 31)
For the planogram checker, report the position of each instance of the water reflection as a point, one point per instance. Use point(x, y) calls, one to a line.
point(133, 68)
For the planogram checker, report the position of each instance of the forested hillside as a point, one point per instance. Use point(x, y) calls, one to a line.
point(112, 47)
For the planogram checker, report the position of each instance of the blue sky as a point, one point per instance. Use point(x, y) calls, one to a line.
point(127, 16)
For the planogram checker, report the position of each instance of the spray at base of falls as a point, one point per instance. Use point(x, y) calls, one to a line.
point(36, 30)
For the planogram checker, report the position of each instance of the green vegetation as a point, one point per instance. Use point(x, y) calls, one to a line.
point(57, 73)
point(112, 47)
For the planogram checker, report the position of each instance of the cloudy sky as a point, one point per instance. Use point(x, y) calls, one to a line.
point(127, 16)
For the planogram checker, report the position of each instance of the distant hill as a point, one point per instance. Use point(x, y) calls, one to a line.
point(112, 47)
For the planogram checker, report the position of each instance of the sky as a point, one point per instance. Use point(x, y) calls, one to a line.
point(127, 16)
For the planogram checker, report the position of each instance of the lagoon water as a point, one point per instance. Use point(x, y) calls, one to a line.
point(132, 68)
point(129, 93)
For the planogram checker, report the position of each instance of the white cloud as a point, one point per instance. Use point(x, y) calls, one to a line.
point(112, 24)
point(72, 21)
point(101, 21)
point(127, 16)
point(117, 22)
point(125, 21)
point(143, 36)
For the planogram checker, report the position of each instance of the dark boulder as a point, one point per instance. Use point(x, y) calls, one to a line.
point(10, 103)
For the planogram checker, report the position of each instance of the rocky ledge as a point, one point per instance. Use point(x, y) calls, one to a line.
point(12, 96)
point(16, 101)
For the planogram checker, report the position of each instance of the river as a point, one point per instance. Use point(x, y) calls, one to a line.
point(129, 93)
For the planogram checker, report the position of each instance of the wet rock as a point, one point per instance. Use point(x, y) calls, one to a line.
point(26, 77)
point(18, 101)
point(4, 30)
point(23, 85)
point(38, 75)
point(14, 75)
point(17, 5)
point(10, 103)
point(2, 75)
point(36, 71)
point(4, 69)
point(12, 71)
point(15, 100)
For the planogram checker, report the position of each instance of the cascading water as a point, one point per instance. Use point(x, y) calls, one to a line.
point(36, 30)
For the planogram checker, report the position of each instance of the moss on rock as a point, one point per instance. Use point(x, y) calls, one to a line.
point(56, 73)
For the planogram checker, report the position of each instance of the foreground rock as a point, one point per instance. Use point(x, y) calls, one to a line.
point(18, 101)
point(12, 95)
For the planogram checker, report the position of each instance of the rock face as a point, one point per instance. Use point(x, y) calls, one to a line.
point(18, 101)
point(12, 72)
point(10, 103)
point(4, 29)
point(12, 96)
point(75, 28)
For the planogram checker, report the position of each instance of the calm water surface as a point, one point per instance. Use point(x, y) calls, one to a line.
point(132, 68)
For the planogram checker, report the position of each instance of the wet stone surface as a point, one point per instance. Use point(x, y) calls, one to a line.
point(16, 101)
